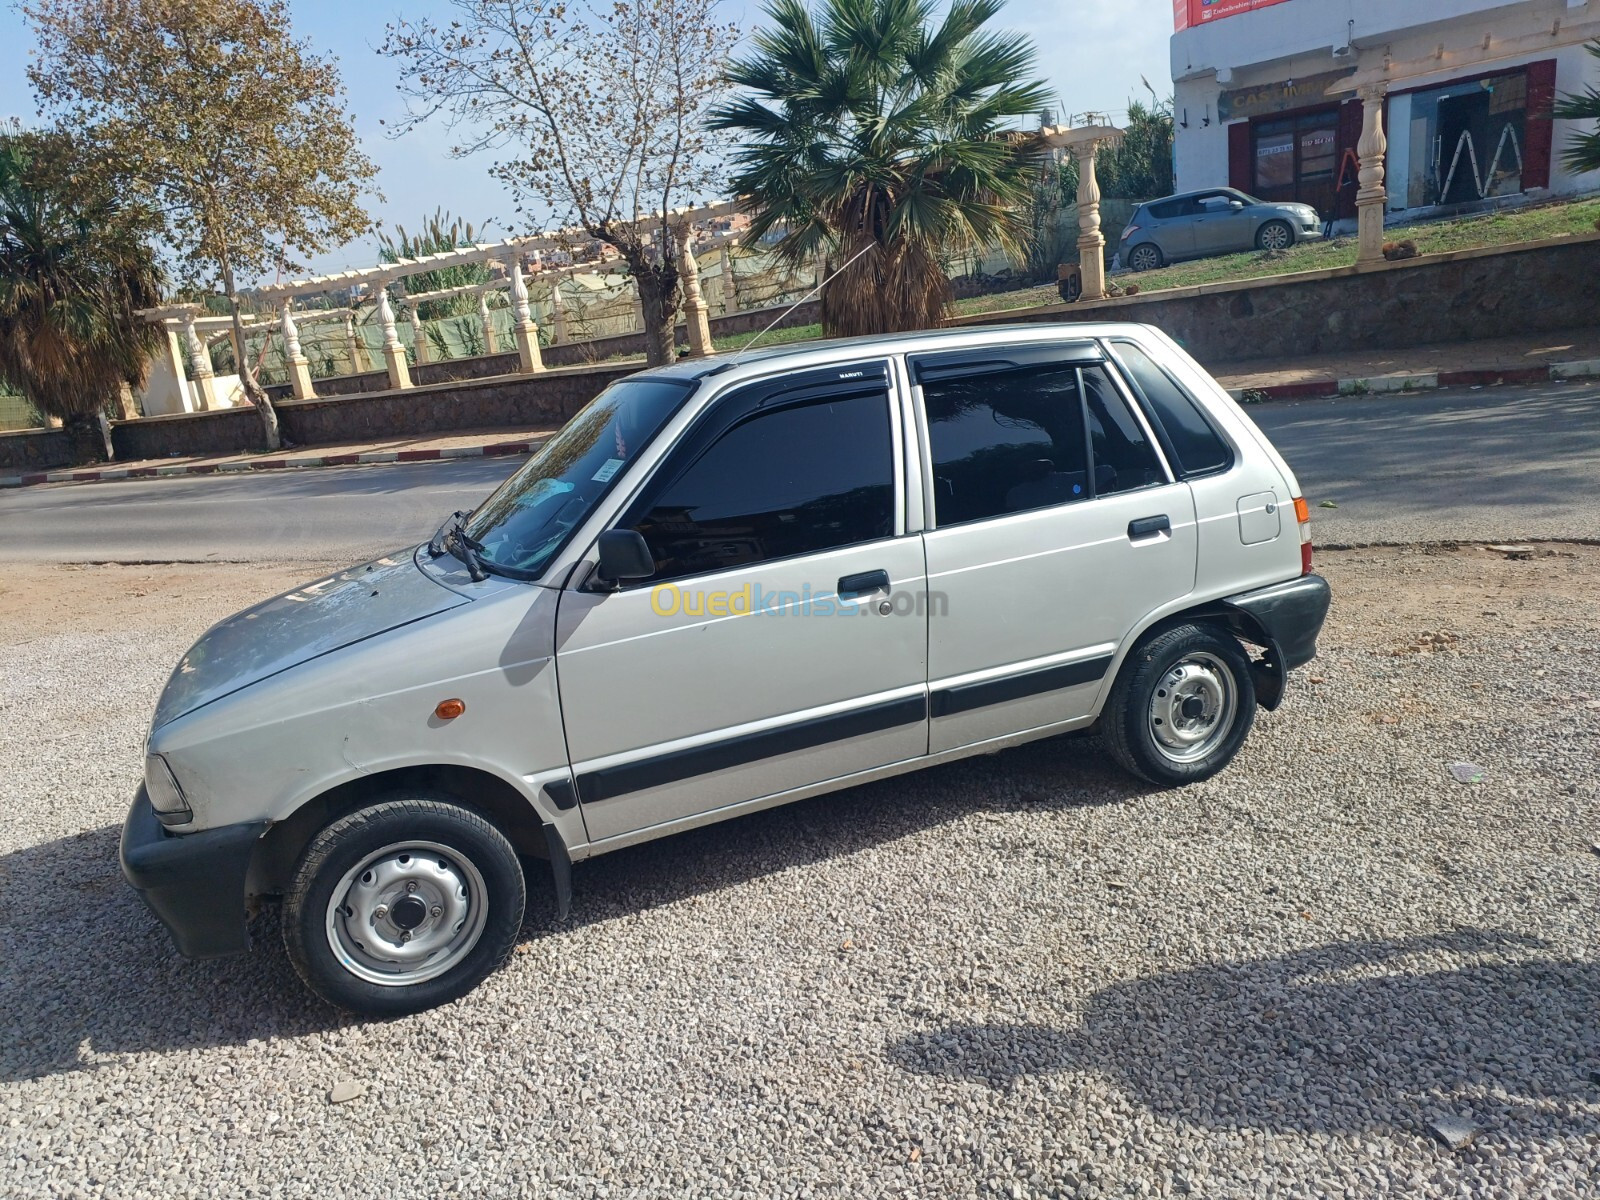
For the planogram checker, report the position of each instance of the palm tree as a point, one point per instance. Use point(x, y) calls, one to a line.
point(877, 136)
point(73, 268)
point(1582, 151)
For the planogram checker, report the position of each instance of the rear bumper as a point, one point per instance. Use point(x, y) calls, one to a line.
point(193, 882)
point(1288, 617)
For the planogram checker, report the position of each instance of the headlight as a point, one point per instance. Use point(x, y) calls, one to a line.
point(166, 797)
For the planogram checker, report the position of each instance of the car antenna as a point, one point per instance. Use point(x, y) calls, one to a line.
point(817, 287)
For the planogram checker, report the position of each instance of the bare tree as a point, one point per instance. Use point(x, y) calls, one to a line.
point(596, 111)
point(210, 111)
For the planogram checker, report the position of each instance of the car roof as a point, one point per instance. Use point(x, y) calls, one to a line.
point(825, 351)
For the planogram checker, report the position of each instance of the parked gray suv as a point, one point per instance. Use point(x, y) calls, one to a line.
point(1215, 221)
point(727, 584)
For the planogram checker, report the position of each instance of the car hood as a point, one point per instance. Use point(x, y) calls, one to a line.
point(297, 626)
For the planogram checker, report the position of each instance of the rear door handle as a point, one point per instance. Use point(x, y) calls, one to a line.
point(867, 581)
point(1149, 526)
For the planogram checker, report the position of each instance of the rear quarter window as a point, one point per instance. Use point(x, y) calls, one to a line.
point(1195, 445)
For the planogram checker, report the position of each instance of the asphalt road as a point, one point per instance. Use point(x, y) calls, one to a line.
point(1495, 464)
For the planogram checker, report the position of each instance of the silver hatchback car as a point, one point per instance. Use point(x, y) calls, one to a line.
point(724, 585)
point(1216, 221)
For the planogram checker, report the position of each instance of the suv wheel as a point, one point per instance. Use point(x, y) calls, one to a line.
point(1274, 235)
point(403, 906)
point(1182, 706)
point(1144, 257)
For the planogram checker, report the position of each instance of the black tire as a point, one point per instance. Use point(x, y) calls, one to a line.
point(1129, 726)
point(1146, 256)
point(1275, 235)
point(460, 854)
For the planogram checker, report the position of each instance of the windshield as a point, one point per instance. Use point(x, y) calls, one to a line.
point(527, 519)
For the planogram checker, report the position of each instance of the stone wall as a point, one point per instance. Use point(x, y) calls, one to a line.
point(224, 431)
point(1456, 297)
point(34, 450)
point(548, 398)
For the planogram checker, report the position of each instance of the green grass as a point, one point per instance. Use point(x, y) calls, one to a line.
point(1433, 237)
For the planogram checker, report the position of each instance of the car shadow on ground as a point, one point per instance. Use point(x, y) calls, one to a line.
point(1344, 1038)
point(89, 972)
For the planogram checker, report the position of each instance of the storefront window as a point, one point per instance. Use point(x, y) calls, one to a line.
point(1295, 159)
point(1471, 136)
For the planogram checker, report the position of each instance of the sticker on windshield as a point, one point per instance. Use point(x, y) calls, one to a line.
point(604, 474)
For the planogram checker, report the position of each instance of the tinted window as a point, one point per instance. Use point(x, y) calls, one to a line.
point(1165, 212)
point(1005, 443)
point(789, 481)
point(1191, 439)
point(1124, 459)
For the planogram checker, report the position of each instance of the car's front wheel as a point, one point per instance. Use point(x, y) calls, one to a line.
point(1182, 705)
point(1144, 257)
point(403, 906)
point(1274, 235)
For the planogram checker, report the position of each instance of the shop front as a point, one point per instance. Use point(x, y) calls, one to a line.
point(1451, 143)
point(1293, 143)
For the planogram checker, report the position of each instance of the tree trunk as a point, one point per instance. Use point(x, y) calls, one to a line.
point(658, 295)
point(252, 389)
point(88, 437)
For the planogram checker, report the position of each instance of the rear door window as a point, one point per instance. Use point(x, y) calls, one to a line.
point(1194, 446)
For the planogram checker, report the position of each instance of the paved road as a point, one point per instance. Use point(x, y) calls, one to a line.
point(1495, 464)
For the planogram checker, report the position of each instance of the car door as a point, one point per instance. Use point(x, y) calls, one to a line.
point(782, 641)
point(1172, 228)
point(1056, 527)
point(1225, 225)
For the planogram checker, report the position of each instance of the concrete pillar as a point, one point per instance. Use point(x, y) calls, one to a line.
point(175, 356)
point(1091, 242)
point(522, 327)
point(352, 347)
point(419, 339)
point(694, 302)
point(490, 344)
point(394, 354)
point(294, 359)
point(560, 335)
point(1372, 197)
point(730, 281)
point(205, 380)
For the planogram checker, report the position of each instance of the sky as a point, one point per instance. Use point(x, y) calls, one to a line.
point(1091, 52)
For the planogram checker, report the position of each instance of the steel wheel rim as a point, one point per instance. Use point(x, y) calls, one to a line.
point(1193, 707)
point(1274, 237)
point(406, 914)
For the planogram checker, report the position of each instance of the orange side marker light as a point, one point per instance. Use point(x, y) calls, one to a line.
point(449, 710)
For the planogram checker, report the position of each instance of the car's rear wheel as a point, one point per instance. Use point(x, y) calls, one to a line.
point(403, 906)
point(1182, 706)
point(1274, 235)
point(1145, 257)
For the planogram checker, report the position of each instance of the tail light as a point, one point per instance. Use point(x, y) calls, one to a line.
point(1129, 232)
point(1302, 515)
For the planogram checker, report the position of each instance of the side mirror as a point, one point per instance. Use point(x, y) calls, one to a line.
point(1236, 205)
point(624, 555)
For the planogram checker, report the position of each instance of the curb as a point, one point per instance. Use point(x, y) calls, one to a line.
point(288, 463)
point(1419, 381)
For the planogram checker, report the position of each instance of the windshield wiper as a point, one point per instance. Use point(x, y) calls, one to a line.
point(453, 537)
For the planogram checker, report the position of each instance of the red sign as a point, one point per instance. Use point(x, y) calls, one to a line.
point(1189, 13)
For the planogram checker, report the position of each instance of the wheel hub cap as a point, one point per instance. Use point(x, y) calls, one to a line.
point(406, 914)
point(1193, 708)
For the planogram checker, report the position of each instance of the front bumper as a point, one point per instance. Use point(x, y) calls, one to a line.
point(193, 882)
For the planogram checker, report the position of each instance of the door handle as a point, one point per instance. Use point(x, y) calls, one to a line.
point(1148, 526)
point(866, 581)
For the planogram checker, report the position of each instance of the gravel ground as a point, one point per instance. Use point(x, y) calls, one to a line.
point(1020, 976)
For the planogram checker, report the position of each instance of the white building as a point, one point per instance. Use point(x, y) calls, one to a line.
point(1270, 97)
